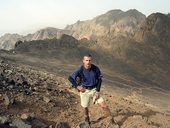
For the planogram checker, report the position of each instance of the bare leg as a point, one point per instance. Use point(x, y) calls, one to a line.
point(86, 111)
point(108, 113)
point(105, 109)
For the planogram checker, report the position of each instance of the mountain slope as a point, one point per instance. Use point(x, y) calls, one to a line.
point(149, 53)
point(32, 97)
point(113, 24)
point(140, 47)
point(8, 41)
point(46, 33)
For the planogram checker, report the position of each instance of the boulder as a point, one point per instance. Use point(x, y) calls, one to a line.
point(20, 124)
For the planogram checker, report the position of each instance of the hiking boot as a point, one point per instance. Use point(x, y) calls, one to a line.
point(87, 119)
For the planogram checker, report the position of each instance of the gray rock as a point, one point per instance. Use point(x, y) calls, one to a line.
point(3, 119)
point(1, 62)
point(34, 88)
point(32, 115)
point(28, 116)
point(50, 126)
point(84, 125)
point(11, 86)
point(36, 123)
point(46, 99)
point(24, 116)
point(27, 91)
point(6, 100)
point(4, 82)
point(9, 72)
point(20, 124)
point(30, 119)
point(62, 125)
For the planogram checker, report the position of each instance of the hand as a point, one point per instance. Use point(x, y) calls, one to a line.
point(97, 95)
point(81, 88)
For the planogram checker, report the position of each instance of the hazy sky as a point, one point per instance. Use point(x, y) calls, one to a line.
point(27, 16)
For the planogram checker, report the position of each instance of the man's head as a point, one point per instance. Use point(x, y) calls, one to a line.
point(87, 60)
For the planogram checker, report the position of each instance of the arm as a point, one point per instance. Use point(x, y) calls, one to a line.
point(98, 85)
point(72, 81)
point(99, 79)
point(72, 77)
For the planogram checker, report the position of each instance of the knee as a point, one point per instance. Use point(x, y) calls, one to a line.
point(103, 105)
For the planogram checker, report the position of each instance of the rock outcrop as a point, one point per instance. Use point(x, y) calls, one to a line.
point(8, 41)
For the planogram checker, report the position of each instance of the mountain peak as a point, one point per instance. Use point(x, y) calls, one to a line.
point(158, 19)
point(9, 35)
point(157, 15)
point(113, 23)
point(49, 29)
point(155, 27)
point(133, 11)
point(114, 11)
point(168, 15)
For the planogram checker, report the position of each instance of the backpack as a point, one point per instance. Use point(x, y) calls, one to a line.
point(80, 76)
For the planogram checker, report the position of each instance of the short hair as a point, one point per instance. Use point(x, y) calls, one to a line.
point(88, 55)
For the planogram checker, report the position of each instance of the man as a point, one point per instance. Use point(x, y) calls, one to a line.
point(87, 79)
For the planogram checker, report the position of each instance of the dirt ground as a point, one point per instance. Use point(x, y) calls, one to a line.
point(52, 100)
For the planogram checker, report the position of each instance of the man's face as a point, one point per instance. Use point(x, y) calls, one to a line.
point(87, 61)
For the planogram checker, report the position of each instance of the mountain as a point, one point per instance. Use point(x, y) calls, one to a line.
point(46, 33)
point(66, 48)
point(156, 28)
point(8, 40)
point(126, 42)
point(135, 66)
point(149, 52)
point(133, 52)
point(113, 25)
point(142, 56)
point(168, 15)
point(47, 44)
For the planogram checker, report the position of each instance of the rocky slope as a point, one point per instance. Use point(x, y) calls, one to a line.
point(34, 98)
point(110, 30)
point(149, 52)
point(113, 24)
point(155, 28)
point(136, 58)
point(28, 97)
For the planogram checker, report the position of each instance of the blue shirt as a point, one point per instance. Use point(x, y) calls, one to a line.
point(89, 76)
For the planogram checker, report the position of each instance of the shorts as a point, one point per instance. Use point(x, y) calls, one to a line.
point(87, 95)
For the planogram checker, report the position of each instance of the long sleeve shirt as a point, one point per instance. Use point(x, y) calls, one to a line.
point(89, 77)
